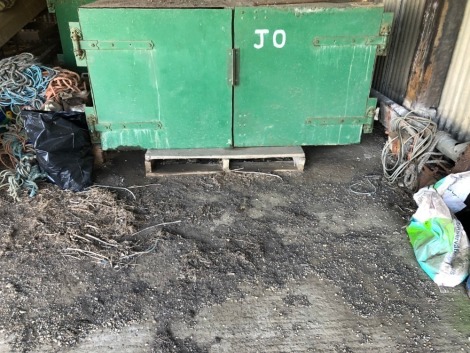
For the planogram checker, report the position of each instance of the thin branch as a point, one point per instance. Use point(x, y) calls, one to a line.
point(79, 237)
point(92, 227)
point(100, 241)
point(73, 257)
point(91, 254)
point(114, 187)
point(139, 253)
point(154, 226)
point(142, 186)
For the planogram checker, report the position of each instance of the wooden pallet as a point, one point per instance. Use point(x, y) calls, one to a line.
point(209, 161)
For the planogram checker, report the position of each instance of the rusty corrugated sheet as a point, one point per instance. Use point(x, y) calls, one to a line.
point(454, 109)
point(393, 71)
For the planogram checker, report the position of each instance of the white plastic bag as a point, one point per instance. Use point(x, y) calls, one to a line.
point(454, 189)
point(438, 238)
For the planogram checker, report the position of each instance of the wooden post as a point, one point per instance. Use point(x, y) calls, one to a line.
point(439, 33)
point(14, 19)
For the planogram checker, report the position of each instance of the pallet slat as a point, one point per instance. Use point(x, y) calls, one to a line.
point(220, 153)
point(227, 159)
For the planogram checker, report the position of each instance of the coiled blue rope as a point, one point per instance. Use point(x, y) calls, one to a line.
point(23, 82)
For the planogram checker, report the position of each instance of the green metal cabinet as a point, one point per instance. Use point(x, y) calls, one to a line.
point(242, 76)
point(66, 11)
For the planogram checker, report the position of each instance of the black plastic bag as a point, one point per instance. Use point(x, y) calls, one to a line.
point(63, 146)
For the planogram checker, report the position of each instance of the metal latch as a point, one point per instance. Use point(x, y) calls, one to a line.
point(233, 66)
point(370, 115)
point(76, 36)
point(50, 6)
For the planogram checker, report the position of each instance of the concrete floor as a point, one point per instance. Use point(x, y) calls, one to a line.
point(351, 285)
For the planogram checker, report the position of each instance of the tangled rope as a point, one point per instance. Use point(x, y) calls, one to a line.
point(25, 176)
point(417, 138)
point(23, 82)
point(64, 83)
point(22, 170)
point(14, 141)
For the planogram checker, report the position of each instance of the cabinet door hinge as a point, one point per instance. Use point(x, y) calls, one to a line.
point(385, 29)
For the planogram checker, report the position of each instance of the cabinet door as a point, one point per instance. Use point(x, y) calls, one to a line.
point(305, 73)
point(159, 76)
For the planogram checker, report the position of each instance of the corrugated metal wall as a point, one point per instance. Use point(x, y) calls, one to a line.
point(393, 71)
point(454, 109)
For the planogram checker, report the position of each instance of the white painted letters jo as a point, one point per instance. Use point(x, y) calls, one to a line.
point(279, 38)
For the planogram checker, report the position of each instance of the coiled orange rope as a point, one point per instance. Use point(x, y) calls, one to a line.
point(65, 82)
